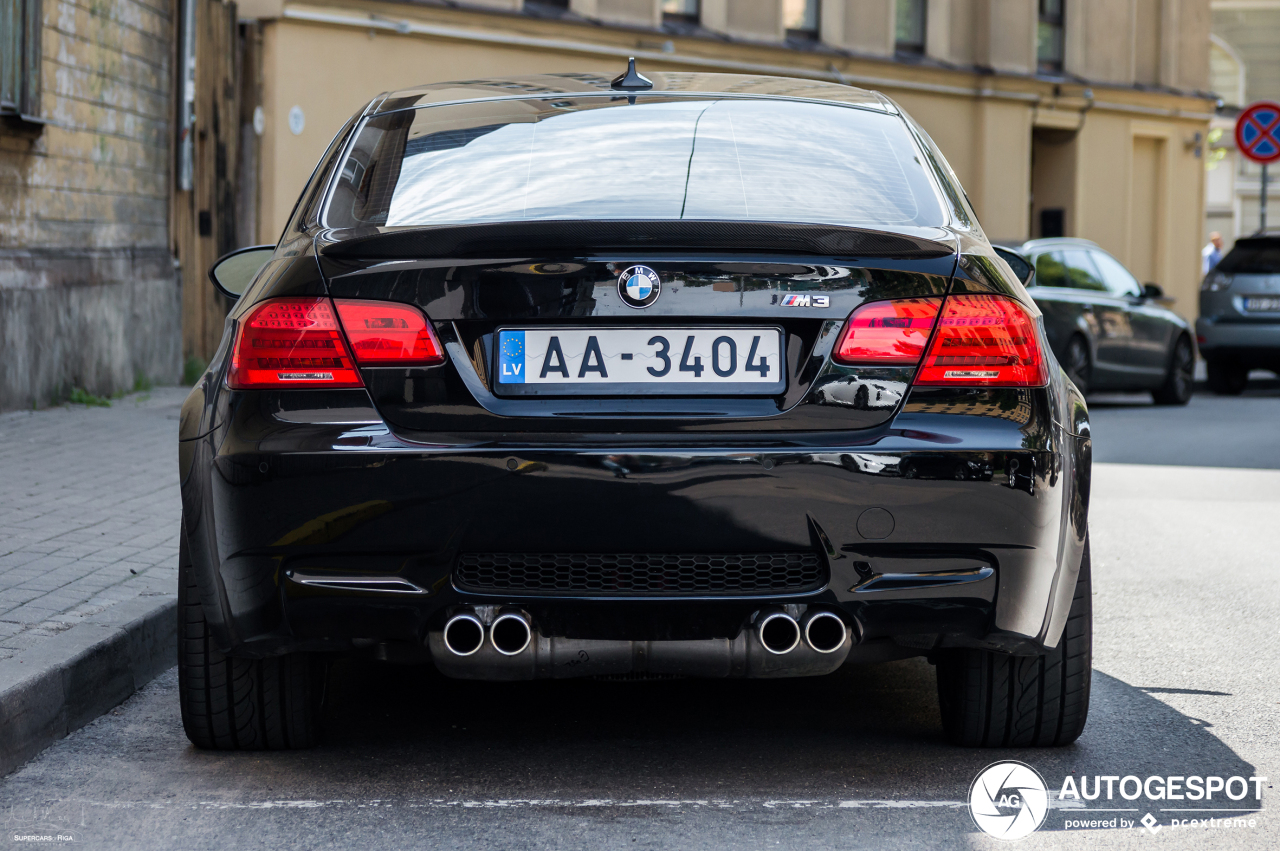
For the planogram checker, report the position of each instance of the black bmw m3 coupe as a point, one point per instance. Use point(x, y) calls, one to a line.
point(701, 375)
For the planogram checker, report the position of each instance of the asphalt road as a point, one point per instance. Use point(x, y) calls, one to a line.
point(1187, 608)
point(1212, 431)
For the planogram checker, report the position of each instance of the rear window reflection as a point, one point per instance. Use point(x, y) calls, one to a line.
point(665, 159)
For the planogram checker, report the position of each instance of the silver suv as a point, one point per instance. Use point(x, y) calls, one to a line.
point(1239, 325)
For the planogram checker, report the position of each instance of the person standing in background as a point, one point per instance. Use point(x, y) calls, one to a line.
point(1211, 254)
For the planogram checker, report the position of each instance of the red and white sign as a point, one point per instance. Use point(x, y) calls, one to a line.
point(1258, 132)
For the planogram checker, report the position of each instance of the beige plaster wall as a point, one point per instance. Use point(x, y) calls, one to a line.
point(332, 71)
point(1105, 208)
point(1100, 40)
point(866, 26)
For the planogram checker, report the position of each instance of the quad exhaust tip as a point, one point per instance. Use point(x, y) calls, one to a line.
point(825, 632)
point(510, 634)
point(779, 633)
point(463, 634)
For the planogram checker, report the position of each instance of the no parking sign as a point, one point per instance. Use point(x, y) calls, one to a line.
point(1258, 138)
point(1258, 132)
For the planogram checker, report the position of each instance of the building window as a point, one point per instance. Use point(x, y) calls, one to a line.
point(20, 23)
point(800, 17)
point(680, 10)
point(1049, 37)
point(909, 31)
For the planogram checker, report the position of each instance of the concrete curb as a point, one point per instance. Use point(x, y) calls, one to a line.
point(67, 681)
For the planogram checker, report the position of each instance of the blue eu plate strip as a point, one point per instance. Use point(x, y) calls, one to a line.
point(511, 357)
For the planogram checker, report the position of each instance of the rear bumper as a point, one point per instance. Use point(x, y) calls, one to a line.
point(1250, 339)
point(956, 524)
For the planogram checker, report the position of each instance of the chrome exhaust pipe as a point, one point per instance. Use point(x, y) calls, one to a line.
point(825, 632)
point(779, 633)
point(510, 634)
point(463, 634)
point(777, 642)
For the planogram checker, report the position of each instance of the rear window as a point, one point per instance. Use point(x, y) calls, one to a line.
point(1256, 256)
point(603, 158)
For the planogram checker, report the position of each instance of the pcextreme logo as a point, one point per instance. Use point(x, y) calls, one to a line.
point(1008, 800)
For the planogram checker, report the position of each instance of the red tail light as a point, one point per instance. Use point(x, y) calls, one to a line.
point(385, 333)
point(887, 332)
point(981, 340)
point(984, 340)
point(299, 342)
point(292, 343)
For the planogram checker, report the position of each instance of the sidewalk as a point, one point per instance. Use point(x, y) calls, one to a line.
point(89, 518)
point(89, 512)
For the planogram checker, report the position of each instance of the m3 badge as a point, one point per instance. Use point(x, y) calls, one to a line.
point(805, 300)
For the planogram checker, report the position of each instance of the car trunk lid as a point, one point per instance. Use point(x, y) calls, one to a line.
point(801, 294)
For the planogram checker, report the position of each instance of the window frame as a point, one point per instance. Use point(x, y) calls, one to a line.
point(21, 49)
point(1057, 23)
point(694, 17)
point(911, 47)
point(806, 33)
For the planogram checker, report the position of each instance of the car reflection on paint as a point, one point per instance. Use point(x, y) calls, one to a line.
point(863, 395)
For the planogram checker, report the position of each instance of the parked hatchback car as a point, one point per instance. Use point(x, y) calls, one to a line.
point(1108, 331)
point(1239, 324)
point(738, 389)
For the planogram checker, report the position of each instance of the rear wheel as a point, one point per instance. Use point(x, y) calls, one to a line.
point(994, 700)
point(1227, 376)
point(241, 704)
point(1181, 378)
point(1077, 366)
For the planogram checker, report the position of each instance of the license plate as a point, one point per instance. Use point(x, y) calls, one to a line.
point(651, 361)
point(1262, 305)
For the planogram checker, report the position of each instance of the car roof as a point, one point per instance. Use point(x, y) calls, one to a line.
point(1033, 246)
point(665, 83)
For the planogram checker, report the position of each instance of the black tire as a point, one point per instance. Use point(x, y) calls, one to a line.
point(1180, 380)
point(1227, 376)
point(1077, 364)
point(994, 700)
point(233, 704)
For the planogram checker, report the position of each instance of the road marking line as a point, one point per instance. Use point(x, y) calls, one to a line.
point(524, 803)
point(557, 803)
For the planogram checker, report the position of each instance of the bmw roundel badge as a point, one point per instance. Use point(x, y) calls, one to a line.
point(639, 286)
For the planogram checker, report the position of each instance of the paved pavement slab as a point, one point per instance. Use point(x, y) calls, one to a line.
point(89, 512)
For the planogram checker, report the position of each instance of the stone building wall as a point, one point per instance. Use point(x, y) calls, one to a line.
point(89, 296)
